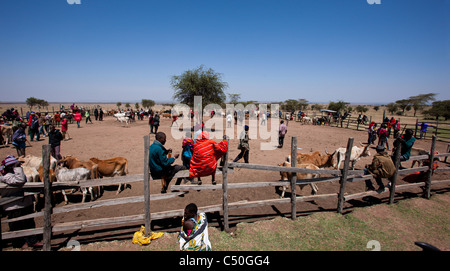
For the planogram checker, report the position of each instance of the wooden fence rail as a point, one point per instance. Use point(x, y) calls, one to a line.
point(345, 175)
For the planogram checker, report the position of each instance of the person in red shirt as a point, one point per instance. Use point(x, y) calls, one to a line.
point(205, 156)
point(64, 128)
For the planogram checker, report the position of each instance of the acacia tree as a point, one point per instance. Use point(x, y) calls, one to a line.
point(339, 106)
point(147, 103)
point(419, 101)
point(439, 109)
point(199, 82)
point(32, 101)
point(234, 97)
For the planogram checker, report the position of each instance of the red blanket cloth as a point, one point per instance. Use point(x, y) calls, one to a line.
point(205, 156)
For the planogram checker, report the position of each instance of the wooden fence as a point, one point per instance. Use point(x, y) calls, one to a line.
point(438, 128)
point(344, 176)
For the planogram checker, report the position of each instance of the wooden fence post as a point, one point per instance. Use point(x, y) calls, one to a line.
point(343, 179)
point(430, 170)
point(147, 185)
point(397, 153)
point(293, 178)
point(225, 191)
point(415, 128)
point(47, 235)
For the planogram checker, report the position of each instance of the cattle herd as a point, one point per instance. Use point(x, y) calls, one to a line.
point(71, 169)
point(317, 160)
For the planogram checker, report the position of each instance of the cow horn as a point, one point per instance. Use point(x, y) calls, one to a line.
point(326, 151)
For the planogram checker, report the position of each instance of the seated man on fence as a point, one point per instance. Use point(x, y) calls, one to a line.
point(205, 156)
point(160, 165)
point(407, 142)
point(381, 167)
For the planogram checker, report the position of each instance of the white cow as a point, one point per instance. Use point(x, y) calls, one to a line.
point(356, 154)
point(31, 173)
point(36, 162)
point(74, 175)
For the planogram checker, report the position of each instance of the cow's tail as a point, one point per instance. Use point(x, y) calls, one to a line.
point(126, 166)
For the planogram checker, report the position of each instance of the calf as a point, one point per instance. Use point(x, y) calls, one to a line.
point(285, 176)
point(356, 154)
point(117, 166)
point(74, 175)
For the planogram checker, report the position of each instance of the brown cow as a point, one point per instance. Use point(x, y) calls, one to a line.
point(72, 162)
point(285, 176)
point(112, 167)
point(316, 158)
point(51, 174)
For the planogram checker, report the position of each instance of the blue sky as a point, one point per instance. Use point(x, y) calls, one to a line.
point(318, 50)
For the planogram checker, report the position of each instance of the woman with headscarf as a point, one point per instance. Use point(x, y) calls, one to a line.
point(205, 156)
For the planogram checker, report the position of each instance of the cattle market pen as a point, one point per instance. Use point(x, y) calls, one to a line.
point(344, 176)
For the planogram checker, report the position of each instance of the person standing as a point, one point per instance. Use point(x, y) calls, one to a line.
point(88, 116)
point(100, 115)
point(77, 117)
point(156, 122)
point(65, 128)
point(34, 126)
point(57, 118)
point(41, 119)
point(281, 134)
point(96, 114)
point(229, 119)
point(19, 139)
point(150, 122)
point(263, 118)
point(54, 139)
point(423, 129)
point(371, 132)
point(383, 136)
point(244, 146)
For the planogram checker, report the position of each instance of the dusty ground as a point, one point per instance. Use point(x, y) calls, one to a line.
point(109, 139)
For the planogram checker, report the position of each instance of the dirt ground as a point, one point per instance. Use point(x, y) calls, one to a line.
point(110, 138)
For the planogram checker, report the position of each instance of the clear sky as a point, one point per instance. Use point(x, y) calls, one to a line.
point(318, 50)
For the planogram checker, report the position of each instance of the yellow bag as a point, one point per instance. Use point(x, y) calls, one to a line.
point(139, 237)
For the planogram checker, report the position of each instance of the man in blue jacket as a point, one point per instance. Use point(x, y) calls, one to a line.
point(160, 165)
point(407, 142)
